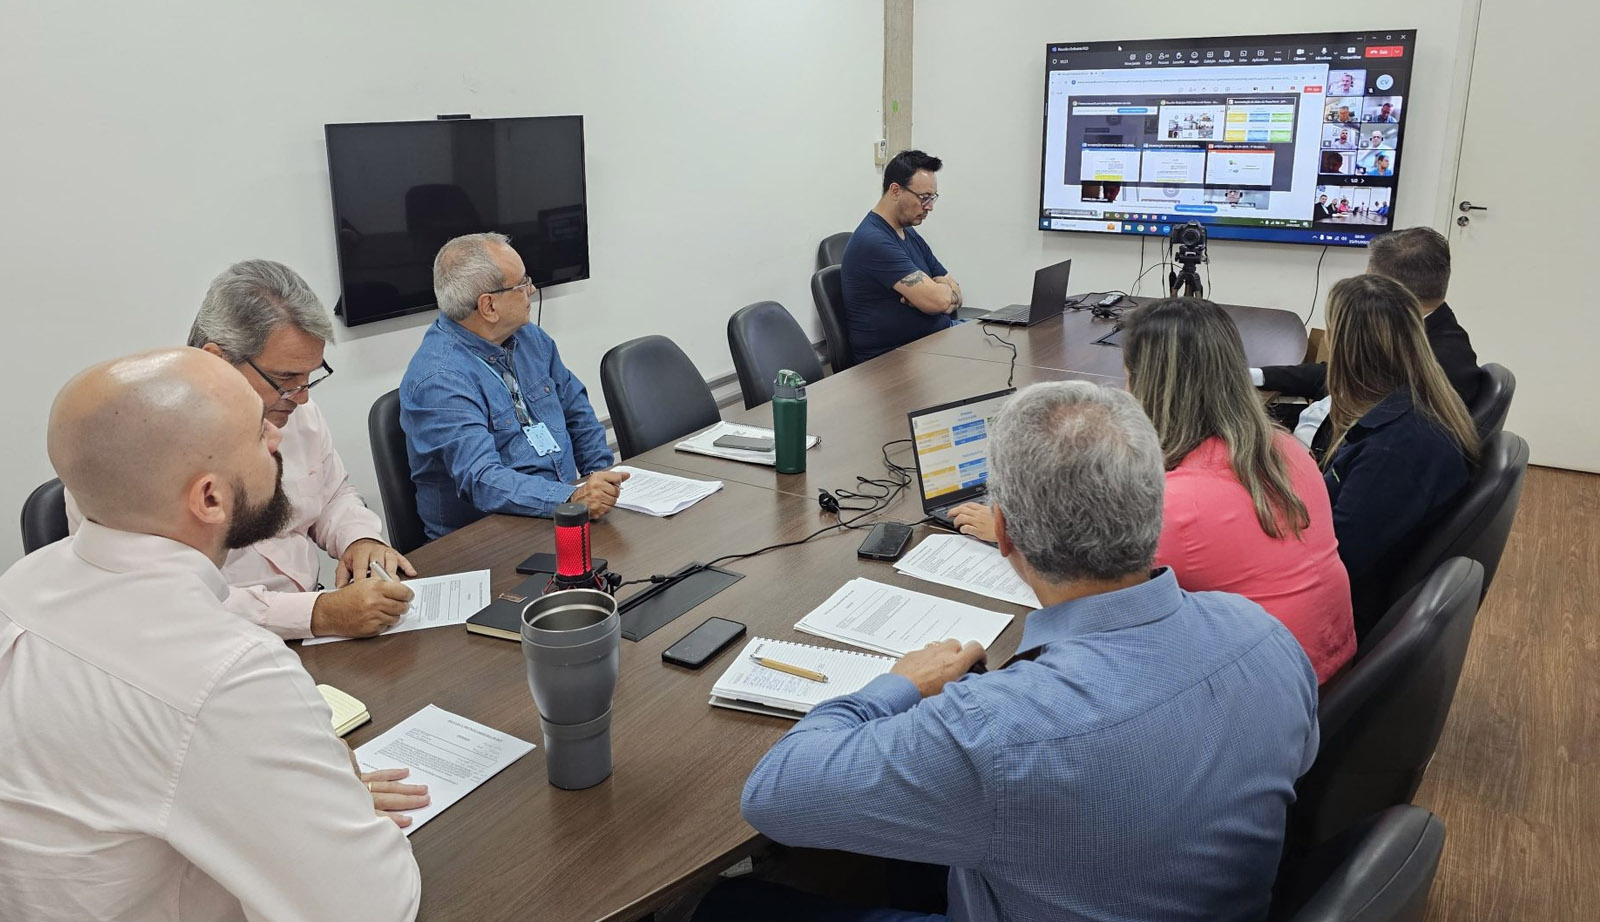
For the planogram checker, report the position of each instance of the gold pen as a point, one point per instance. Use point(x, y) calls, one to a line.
point(811, 674)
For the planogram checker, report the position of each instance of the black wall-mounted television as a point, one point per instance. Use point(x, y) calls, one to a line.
point(401, 189)
point(1281, 138)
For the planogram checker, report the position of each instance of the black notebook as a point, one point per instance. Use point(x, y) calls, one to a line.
point(502, 617)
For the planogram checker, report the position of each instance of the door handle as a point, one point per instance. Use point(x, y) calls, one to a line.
point(1466, 206)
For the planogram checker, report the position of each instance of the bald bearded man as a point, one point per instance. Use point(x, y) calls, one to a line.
point(163, 757)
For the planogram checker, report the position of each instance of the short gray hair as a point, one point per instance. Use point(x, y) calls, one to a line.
point(1416, 257)
point(1076, 468)
point(250, 300)
point(463, 271)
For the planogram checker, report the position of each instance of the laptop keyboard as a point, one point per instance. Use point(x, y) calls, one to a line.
point(1012, 314)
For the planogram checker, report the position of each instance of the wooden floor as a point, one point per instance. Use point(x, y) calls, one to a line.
point(1516, 778)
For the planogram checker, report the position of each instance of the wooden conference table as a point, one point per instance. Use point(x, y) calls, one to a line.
point(517, 848)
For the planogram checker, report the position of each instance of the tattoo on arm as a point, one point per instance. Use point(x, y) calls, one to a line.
point(912, 279)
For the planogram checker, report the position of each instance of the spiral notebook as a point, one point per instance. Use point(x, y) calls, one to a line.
point(750, 686)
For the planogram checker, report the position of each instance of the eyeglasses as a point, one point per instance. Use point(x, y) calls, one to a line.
point(926, 198)
point(289, 393)
point(527, 282)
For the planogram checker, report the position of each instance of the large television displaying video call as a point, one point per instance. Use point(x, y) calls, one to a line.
point(401, 189)
point(1279, 138)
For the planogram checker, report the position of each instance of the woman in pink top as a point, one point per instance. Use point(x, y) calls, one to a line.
point(1246, 510)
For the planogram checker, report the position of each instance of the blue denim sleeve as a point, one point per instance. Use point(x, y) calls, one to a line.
point(589, 448)
point(879, 773)
point(442, 414)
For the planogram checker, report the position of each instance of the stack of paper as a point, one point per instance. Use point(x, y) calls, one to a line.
point(438, 601)
point(750, 686)
point(966, 563)
point(661, 494)
point(700, 443)
point(448, 753)
point(888, 619)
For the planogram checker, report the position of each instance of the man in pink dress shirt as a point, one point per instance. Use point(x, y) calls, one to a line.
point(164, 759)
point(263, 319)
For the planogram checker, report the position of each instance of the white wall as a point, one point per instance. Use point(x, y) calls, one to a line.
point(148, 145)
point(979, 104)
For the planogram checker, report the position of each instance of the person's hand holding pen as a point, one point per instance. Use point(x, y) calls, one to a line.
point(363, 608)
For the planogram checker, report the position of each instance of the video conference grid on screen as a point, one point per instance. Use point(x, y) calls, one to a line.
point(1287, 138)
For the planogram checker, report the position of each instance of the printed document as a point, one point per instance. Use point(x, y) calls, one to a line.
point(448, 753)
point(438, 601)
point(888, 619)
point(966, 563)
point(657, 494)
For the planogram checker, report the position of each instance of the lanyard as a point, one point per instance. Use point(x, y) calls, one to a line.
point(508, 379)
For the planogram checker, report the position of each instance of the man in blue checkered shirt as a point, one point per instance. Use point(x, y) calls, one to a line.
point(1134, 761)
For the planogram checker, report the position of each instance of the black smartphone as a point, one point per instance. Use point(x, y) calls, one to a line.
point(744, 443)
point(702, 644)
point(886, 541)
point(546, 563)
point(1110, 300)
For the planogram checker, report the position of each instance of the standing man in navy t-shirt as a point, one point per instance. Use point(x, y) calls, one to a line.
point(895, 291)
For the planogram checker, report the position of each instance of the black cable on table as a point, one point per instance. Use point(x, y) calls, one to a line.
point(1011, 373)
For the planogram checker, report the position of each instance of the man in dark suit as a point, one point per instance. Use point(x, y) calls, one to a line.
point(1418, 258)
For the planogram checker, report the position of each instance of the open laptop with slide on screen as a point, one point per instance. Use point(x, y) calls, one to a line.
point(951, 446)
point(1049, 299)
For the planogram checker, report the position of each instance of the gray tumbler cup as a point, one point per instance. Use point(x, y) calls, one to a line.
point(570, 642)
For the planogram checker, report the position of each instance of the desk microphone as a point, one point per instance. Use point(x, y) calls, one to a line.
point(574, 565)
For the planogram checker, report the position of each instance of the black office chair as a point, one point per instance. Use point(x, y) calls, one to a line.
point(1377, 871)
point(830, 252)
point(395, 488)
point(764, 339)
point(1381, 720)
point(1496, 386)
point(654, 394)
point(44, 516)
point(1478, 524)
point(829, 297)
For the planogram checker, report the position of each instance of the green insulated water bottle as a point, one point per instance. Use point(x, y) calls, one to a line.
point(789, 422)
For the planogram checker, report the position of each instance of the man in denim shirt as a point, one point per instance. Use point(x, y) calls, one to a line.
point(494, 421)
point(1134, 761)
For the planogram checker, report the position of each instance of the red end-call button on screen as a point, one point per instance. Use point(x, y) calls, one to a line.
point(1385, 51)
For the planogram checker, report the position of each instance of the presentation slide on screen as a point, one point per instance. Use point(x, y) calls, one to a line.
point(1239, 167)
point(1174, 166)
point(1253, 141)
point(953, 447)
point(1110, 164)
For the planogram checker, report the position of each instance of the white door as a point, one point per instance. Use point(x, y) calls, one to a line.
point(1526, 279)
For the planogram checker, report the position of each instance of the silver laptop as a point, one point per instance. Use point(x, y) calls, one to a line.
point(1049, 299)
point(951, 445)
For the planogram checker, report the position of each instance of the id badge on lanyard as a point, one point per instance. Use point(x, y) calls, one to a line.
point(537, 433)
point(538, 436)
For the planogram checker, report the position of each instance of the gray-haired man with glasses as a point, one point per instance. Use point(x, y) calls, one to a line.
point(263, 319)
point(495, 422)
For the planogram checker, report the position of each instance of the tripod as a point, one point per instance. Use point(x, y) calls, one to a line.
point(1186, 283)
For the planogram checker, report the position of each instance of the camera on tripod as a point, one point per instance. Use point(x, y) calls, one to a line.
point(1189, 240)
point(1187, 246)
